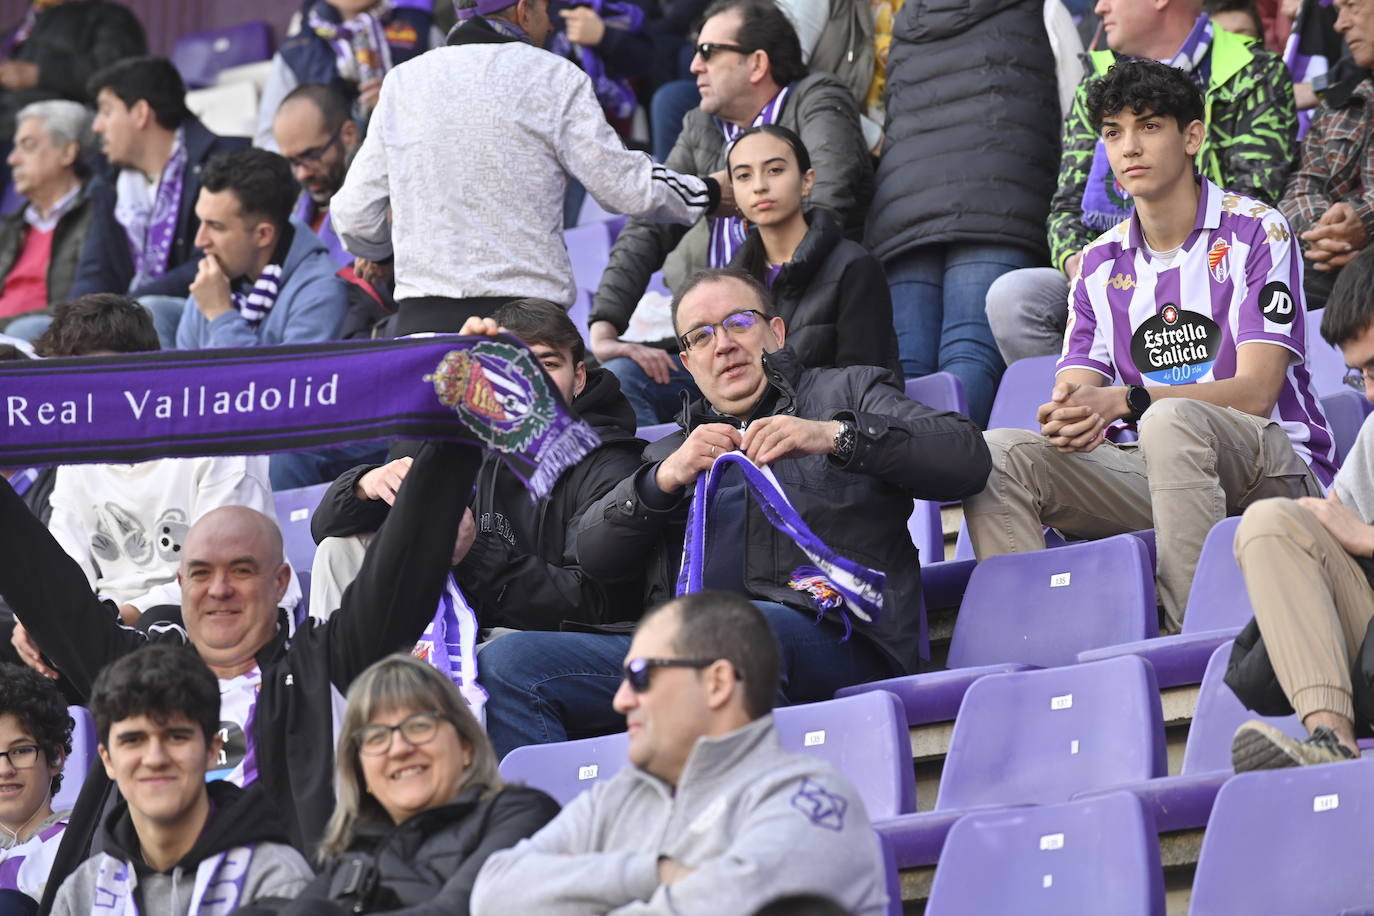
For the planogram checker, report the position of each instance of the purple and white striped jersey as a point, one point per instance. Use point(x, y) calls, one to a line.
point(1236, 280)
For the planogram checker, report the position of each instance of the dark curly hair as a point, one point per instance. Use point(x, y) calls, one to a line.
point(157, 681)
point(261, 180)
point(1145, 87)
point(38, 705)
point(765, 27)
point(97, 321)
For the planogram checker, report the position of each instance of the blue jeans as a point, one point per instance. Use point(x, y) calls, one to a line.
point(546, 687)
point(669, 105)
point(290, 470)
point(653, 403)
point(938, 309)
point(166, 312)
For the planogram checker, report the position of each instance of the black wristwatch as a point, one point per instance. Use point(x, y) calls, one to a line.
point(844, 442)
point(1138, 401)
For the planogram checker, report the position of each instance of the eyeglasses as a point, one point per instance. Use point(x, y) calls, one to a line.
point(21, 757)
point(637, 670)
point(1355, 378)
point(735, 324)
point(707, 48)
point(417, 729)
point(314, 155)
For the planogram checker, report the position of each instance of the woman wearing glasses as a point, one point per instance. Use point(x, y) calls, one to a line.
point(35, 739)
point(421, 804)
point(829, 290)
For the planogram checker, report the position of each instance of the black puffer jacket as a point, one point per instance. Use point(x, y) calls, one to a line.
point(972, 143)
point(520, 571)
point(832, 295)
point(427, 864)
point(904, 450)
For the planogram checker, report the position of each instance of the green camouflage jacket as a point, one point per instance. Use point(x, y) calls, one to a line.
point(1250, 145)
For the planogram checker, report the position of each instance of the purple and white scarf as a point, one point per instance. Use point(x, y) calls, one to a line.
point(1304, 65)
point(449, 644)
point(150, 230)
point(616, 95)
point(727, 233)
point(21, 481)
point(361, 50)
point(217, 891)
point(834, 583)
point(256, 302)
point(1105, 201)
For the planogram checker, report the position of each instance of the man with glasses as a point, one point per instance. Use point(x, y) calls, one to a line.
point(748, 66)
point(317, 135)
point(712, 810)
point(849, 452)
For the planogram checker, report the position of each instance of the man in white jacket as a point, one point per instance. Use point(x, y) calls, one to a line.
point(714, 816)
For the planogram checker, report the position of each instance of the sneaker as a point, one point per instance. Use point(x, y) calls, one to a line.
point(1260, 746)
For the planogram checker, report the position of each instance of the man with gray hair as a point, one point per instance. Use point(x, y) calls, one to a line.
point(41, 243)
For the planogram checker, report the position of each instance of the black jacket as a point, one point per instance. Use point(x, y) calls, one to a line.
point(832, 295)
point(69, 43)
point(427, 864)
point(38, 498)
point(107, 266)
point(387, 608)
point(972, 128)
point(521, 571)
point(67, 239)
point(904, 450)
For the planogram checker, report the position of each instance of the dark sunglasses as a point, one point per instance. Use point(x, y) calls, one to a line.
point(707, 48)
point(637, 670)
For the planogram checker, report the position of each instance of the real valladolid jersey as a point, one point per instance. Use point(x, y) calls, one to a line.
point(1236, 280)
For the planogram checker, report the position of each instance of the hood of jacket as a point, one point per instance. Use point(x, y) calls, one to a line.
point(605, 408)
point(932, 20)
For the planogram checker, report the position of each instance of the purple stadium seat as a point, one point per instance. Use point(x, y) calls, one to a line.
point(863, 736)
point(1324, 362)
point(1289, 841)
point(657, 431)
point(589, 249)
point(939, 391)
point(11, 201)
point(1025, 386)
point(1184, 801)
point(200, 56)
point(963, 545)
point(926, 531)
point(567, 768)
point(1098, 856)
point(894, 878)
point(294, 509)
point(1036, 738)
point(1218, 606)
point(1346, 411)
point(1036, 609)
point(84, 742)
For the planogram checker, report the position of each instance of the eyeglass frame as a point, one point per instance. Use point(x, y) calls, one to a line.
point(313, 155)
point(636, 672)
point(26, 748)
point(357, 735)
point(707, 48)
point(688, 345)
point(1356, 378)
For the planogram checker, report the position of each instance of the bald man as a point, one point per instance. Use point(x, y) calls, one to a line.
point(315, 131)
point(278, 689)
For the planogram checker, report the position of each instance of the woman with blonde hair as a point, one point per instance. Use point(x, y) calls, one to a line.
point(421, 804)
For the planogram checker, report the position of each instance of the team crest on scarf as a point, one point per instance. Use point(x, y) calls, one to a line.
point(498, 389)
point(1217, 261)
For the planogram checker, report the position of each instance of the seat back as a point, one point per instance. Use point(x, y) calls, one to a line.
point(200, 56)
point(927, 532)
point(1218, 598)
point(1345, 413)
point(1289, 841)
point(657, 431)
point(589, 250)
point(1025, 386)
point(84, 743)
point(1044, 607)
point(1100, 855)
point(865, 737)
point(1218, 715)
point(939, 391)
point(294, 509)
point(568, 768)
point(1039, 737)
point(1325, 363)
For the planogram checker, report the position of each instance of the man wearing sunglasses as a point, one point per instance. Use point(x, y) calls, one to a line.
point(749, 70)
point(848, 450)
point(712, 809)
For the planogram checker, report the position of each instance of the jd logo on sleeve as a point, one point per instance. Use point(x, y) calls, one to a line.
point(1176, 346)
point(1277, 304)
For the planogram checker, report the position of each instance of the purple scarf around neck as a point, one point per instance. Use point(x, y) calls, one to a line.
point(616, 95)
point(727, 233)
point(361, 50)
point(151, 232)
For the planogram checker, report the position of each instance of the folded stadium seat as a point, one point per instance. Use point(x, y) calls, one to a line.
point(84, 743)
point(230, 110)
point(939, 391)
point(1024, 387)
point(200, 56)
point(963, 545)
point(1345, 411)
point(1218, 607)
point(1098, 856)
point(566, 769)
point(1036, 738)
point(1184, 801)
point(294, 508)
point(657, 431)
point(1038, 609)
point(1290, 841)
point(894, 877)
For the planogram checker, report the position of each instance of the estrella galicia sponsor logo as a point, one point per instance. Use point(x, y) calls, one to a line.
point(1176, 346)
point(1276, 302)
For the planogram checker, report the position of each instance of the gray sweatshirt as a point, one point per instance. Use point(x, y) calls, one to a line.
point(1355, 480)
point(754, 821)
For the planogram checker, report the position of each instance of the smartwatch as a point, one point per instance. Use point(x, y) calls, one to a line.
point(1138, 401)
point(844, 442)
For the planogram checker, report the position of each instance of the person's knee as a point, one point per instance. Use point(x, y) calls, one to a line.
point(1171, 418)
point(1278, 517)
point(1007, 303)
point(1015, 454)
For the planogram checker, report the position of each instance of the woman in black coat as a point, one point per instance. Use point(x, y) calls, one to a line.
point(830, 291)
point(421, 804)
